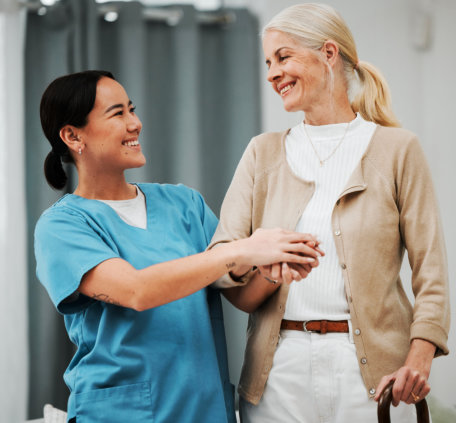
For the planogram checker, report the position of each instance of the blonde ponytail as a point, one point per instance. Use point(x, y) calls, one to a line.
point(312, 24)
point(373, 101)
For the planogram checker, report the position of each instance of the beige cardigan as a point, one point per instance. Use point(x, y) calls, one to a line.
point(388, 205)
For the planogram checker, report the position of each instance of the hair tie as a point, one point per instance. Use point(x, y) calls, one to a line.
point(356, 67)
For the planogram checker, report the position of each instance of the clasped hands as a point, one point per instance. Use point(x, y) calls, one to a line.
point(287, 272)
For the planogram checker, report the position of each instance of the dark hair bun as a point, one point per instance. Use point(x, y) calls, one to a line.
point(66, 101)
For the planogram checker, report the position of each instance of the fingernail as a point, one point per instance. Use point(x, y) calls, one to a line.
point(310, 259)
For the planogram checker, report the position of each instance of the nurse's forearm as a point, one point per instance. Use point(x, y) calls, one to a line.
point(116, 281)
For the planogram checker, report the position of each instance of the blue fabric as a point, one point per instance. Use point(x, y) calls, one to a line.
point(166, 364)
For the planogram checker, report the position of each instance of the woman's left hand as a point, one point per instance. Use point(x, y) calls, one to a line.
point(289, 272)
point(411, 380)
point(410, 386)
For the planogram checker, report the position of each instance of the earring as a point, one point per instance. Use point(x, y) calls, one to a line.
point(80, 151)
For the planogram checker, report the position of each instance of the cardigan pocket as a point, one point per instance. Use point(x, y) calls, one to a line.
point(127, 403)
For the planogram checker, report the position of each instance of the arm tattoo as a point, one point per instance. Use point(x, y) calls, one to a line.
point(230, 265)
point(105, 298)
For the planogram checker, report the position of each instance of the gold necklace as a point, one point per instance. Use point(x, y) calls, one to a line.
point(322, 161)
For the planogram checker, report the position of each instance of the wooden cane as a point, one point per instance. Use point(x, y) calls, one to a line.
point(384, 403)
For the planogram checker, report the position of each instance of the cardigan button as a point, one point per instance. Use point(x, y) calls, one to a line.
point(357, 331)
point(343, 266)
point(337, 202)
point(337, 233)
point(372, 391)
point(364, 360)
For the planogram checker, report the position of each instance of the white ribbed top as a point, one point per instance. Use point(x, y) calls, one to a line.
point(321, 295)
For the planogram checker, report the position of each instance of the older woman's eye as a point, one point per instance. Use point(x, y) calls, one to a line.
point(282, 58)
point(132, 109)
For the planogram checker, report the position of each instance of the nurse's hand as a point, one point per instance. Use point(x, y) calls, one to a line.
point(268, 277)
point(267, 246)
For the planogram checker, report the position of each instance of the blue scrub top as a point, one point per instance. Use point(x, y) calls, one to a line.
point(166, 364)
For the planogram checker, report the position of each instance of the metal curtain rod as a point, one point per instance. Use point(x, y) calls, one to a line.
point(216, 18)
point(34, 6)
point(169, 15)
point(173, 15)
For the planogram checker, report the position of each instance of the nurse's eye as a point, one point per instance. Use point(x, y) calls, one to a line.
point(132, 109)
point(119, 113)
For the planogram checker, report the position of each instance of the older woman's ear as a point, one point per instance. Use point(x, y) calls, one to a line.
point(330, 51)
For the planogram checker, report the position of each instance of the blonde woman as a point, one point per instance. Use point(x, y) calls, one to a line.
point(322, 349)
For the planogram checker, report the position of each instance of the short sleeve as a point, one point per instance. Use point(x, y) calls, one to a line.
point(66, 248)
point(208, 218)
point(236, 212)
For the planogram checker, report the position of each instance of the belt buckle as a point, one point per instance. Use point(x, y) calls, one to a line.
point(304, 326)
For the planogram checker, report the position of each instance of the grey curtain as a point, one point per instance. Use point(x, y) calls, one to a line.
point(194, 79)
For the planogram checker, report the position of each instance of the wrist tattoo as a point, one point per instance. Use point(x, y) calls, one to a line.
point(105, 298)
point(230, 265)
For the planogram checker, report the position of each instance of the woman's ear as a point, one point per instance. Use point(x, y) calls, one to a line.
point(330, 51)
point(69, 135)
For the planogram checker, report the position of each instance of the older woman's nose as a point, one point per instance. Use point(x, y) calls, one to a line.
point(274, 73)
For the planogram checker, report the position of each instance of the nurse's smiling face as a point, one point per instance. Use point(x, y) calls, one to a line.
point(110, 137)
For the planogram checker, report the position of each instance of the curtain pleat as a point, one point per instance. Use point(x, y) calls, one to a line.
point(229, 99)
point(185, 86)
point(196, 89)
point(47, 56)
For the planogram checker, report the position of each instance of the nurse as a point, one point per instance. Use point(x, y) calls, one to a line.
point(125, 264)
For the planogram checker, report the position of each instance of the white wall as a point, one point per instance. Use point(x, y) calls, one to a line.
point(423, 90)
point(13, 298)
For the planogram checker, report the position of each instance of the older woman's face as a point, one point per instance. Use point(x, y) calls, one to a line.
point(296, 73)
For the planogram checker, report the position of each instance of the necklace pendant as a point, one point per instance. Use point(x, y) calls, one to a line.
point(322, 161)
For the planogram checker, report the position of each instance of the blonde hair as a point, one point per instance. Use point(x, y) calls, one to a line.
point(312, 24)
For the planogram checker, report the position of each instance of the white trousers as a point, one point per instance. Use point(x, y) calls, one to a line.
point(316, 379)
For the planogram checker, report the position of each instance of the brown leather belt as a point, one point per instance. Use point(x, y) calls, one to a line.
point(320, 326)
